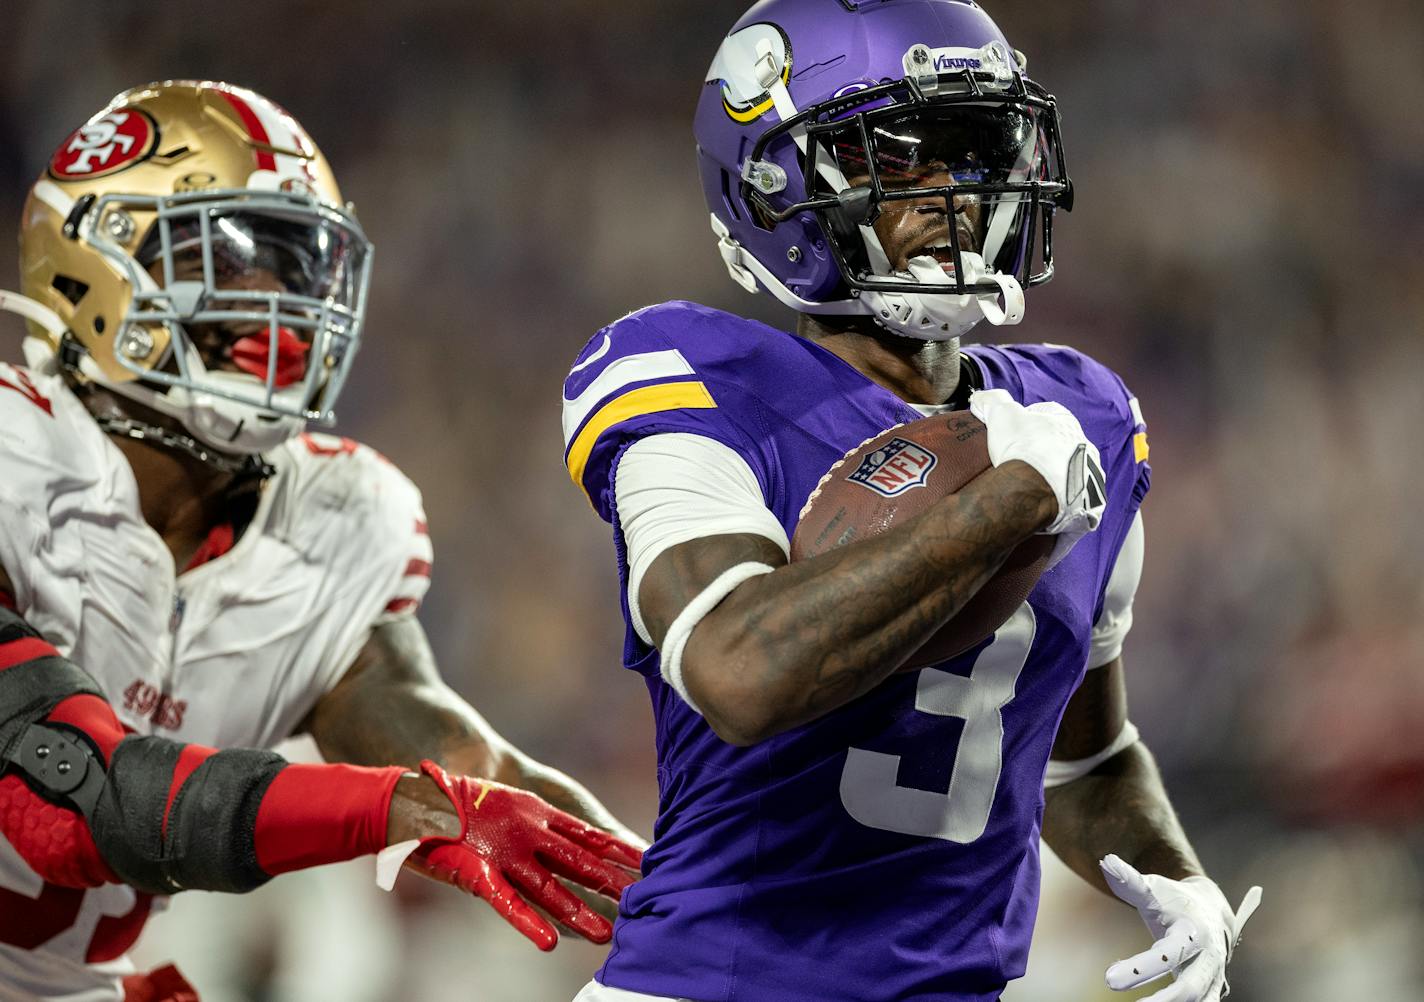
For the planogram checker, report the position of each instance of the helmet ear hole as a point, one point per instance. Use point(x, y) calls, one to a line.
point(727, 197)
point(761, 217)
point(70, 288)
point(99, 325)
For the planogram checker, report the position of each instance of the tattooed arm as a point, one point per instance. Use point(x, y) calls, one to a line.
point(392, 707)
point(1121, 806)
point(787, 647)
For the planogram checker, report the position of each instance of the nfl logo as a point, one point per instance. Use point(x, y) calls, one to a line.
point(895, 468)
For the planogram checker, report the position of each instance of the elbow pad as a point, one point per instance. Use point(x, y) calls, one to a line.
point(163, 833)
point(165, 816)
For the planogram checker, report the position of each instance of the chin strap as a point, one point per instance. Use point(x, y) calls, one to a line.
point(72, 356)
point(945, 316)
point(242, 465)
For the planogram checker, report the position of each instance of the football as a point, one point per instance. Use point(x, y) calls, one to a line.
point(897, 475)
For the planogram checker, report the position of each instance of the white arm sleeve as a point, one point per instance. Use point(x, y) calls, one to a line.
point(1116, 618)
point(674, 487)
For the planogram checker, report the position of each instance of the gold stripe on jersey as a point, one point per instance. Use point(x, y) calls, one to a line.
point(1139, 446)
point(634, 403)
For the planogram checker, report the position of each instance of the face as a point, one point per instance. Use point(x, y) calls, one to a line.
point(261, 257)
point(926, 226)
point(963, 146)
point(241, 345)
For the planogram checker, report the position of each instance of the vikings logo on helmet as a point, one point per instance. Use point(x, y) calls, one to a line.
point(895, 469)
point(765, 51)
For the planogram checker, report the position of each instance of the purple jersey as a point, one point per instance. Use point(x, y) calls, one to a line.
point(888, 850)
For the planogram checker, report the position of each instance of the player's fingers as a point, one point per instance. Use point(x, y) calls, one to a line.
point(507, 903)
point(597, 841)
point(985, 402)
point(1171, 951)
point(1249, 904)
point(544, 890)
point(1195, 983)
point(1126, 882)
point(449, 865)
point(1174, 992)
point(583, 867)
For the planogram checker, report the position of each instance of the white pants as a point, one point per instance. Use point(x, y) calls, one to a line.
point(594, 992)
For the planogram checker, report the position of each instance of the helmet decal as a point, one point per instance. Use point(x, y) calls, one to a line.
point(744, 97)
point(280, 146)
point(262, 152)
point(105, 145)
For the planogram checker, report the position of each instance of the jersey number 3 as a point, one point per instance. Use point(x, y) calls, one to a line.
point(869, 787)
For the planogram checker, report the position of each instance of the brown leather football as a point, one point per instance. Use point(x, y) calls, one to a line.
point(897, 475)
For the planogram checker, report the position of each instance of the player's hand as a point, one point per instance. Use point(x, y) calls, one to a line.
point(1194, 928)
point(1048, 438)
point(513, 846)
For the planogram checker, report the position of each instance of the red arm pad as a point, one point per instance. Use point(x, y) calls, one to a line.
point(316, 814)
point(54, 840)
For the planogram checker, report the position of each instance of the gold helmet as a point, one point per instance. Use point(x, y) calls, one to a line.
point(194, 247)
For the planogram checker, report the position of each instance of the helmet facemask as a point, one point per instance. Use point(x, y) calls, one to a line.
point(261, 296)
point(888, 168)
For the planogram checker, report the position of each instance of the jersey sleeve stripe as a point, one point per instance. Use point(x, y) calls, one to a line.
point(417, 568)
point(634, 403)
point(1139, 424)
point(27, 390)
point(640, 368)
point(421, 527)
point(401, 604)
point(1139, 447)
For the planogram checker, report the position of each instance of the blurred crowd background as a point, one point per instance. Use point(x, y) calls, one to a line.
point(1247, 250)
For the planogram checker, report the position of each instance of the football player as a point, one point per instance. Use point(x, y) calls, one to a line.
point(183, 570)
point(832, 828)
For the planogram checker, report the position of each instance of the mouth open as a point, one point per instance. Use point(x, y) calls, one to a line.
point(940, 248)
point(942, 252)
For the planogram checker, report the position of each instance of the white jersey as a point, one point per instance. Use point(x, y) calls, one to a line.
point(231, 653)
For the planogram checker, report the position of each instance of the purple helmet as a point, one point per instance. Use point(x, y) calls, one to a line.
point(818, 115)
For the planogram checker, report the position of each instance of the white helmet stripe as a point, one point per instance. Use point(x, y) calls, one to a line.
point(52, 195)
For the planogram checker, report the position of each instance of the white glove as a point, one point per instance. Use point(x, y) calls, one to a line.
point(1194, 928)
point(1049, 438)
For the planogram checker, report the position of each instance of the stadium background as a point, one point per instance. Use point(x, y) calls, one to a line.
point(1247, 250)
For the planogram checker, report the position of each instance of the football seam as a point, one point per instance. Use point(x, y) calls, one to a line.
point(816, 491)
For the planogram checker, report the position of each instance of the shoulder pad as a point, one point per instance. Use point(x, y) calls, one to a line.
point(48, 442)
point(352, 510)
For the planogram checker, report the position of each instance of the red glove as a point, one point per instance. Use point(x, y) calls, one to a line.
point(512, 843)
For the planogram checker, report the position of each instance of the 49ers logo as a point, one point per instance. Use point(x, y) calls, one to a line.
point(105, 145)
